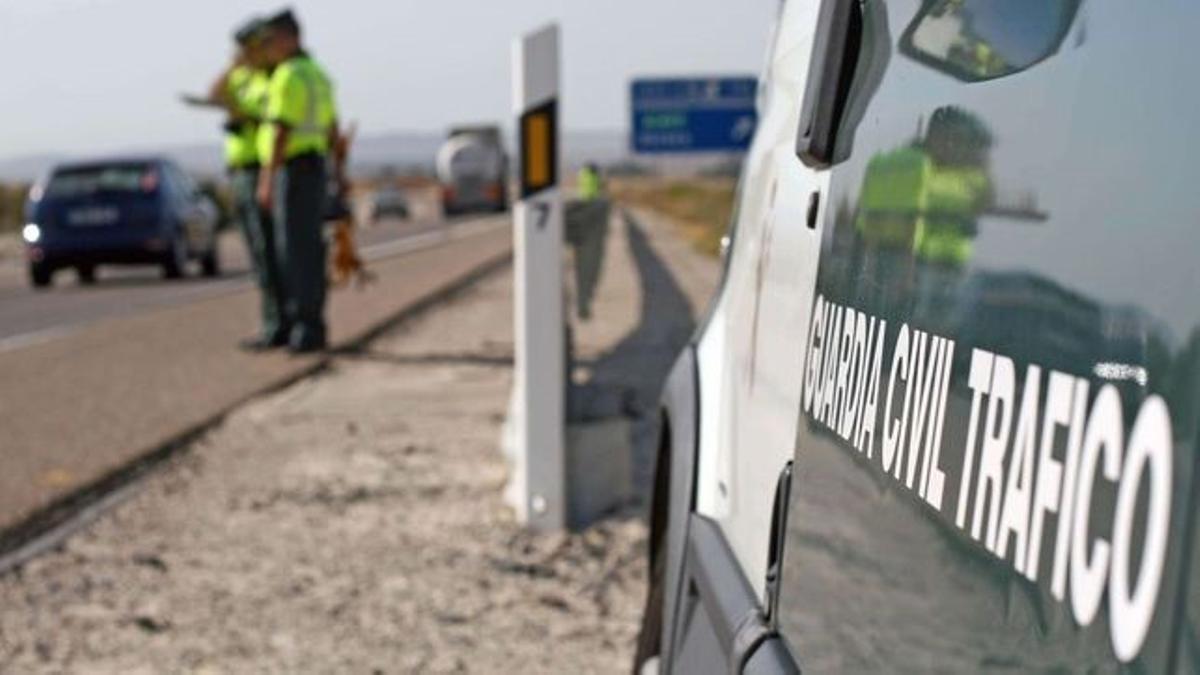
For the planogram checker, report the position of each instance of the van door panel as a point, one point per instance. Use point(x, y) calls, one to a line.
point(1005, 331)
point(748, 421)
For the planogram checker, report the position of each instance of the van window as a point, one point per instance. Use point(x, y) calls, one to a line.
point(87, 181)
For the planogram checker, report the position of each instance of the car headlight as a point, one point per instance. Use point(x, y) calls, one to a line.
point(31, 233)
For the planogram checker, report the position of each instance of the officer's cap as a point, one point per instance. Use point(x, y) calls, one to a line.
point(254, 29)
point(284, 20)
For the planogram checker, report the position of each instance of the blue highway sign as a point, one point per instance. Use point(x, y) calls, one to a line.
point(702, 114)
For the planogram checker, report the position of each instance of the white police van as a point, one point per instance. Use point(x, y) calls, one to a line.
point(943, 413)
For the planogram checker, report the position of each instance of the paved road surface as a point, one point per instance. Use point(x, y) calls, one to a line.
point(94, 378)
point(28, 315)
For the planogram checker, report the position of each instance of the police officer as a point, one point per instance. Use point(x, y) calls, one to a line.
point(589, 182)
point(297, 136)
point(959, 190)
point(918, 214)
point(587, 230)
point(242, 90)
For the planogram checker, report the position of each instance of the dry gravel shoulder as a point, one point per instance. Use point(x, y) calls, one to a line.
point(354, 522)
point(350, 523)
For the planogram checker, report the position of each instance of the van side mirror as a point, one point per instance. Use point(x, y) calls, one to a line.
point(978, 40)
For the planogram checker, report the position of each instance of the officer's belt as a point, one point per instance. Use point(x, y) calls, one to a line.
point(306, 156)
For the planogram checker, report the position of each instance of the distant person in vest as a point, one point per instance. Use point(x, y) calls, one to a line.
point(590, 184)
point(587, 230)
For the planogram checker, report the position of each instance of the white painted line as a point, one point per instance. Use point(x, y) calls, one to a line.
point(406, 245)
point(409, 244)
point(37, 337)
point(431, 238)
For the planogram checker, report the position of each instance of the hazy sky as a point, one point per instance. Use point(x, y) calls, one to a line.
point(97, 75)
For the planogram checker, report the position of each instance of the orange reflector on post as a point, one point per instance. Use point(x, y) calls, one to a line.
point(539, 154)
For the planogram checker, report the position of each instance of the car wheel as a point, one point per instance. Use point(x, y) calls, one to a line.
point(176, 259)
point(41, 276)
point(210, 264)
point(86, 274)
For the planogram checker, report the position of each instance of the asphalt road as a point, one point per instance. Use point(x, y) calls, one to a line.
point(94, 378)
point(29, 316)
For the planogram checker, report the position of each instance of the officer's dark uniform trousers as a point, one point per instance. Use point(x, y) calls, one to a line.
point(259, 231)
point(299, 215)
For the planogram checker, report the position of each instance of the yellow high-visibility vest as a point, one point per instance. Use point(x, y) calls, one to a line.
point(247, 89)
point(299, 97)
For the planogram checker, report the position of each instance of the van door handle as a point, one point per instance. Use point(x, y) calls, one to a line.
point(830, 73)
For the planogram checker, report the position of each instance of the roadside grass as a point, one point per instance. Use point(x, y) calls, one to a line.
point(12, 212)
point(701, 207)
point(12, 206)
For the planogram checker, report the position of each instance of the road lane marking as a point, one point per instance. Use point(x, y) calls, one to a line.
point(36, 337)
point(407, 244)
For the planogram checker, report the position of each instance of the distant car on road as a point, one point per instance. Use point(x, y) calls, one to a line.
point(473, 170)
point(389, 201)
point(118, 211)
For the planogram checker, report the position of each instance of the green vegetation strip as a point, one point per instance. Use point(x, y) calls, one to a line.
point(702, 207)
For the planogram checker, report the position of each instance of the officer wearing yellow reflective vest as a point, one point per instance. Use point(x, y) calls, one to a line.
point(242, 90)
point(587, 230)
point(919, 209)
point(589, 182)
point(295, 141)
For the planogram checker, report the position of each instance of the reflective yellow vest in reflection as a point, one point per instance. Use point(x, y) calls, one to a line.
point(908, 202)
point(946, 234)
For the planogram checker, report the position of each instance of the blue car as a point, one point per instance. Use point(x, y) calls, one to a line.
point(121, 211)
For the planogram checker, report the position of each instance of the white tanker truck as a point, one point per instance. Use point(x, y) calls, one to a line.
point(472, 168)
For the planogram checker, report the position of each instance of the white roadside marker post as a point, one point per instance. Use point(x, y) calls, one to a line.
point(537, 491)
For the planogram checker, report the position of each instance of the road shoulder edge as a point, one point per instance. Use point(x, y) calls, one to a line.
point(47, 527)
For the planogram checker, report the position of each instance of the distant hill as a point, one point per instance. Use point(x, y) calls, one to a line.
point(403, 151)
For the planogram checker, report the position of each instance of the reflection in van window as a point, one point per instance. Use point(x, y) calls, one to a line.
point(986, 39)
